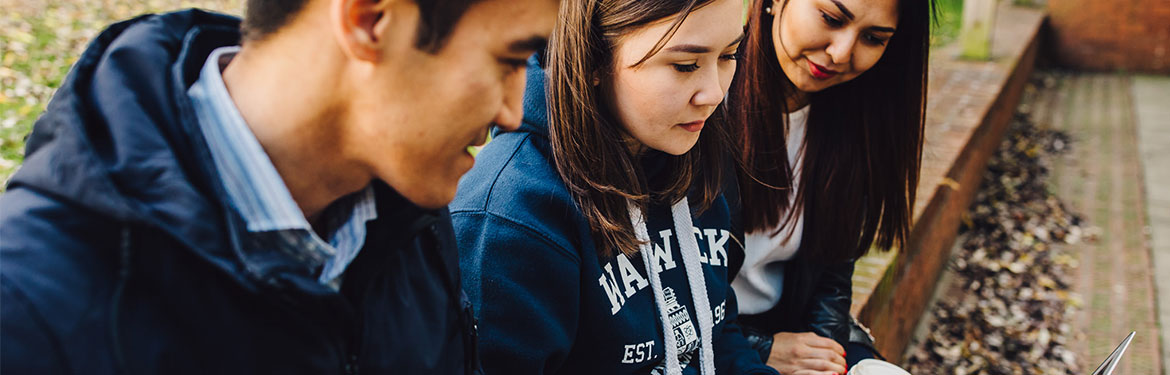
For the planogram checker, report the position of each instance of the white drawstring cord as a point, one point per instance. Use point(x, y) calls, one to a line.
point(689, 248)
point(652, 269)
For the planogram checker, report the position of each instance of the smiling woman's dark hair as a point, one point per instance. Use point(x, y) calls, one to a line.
point(863, 145)
point(436, 19)
point(587, 139)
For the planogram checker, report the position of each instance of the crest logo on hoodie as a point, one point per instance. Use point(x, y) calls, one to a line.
point(684, 331)
point(686, 337)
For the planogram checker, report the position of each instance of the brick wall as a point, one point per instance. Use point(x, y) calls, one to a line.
point(1132, 35)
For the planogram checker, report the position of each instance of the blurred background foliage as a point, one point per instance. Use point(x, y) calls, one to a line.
point(41, 39)
point(948, 17)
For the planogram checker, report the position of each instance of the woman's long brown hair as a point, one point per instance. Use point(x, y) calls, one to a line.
point(863, 144)
point(594, 162)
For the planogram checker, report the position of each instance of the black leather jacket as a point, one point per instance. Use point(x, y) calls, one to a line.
point(816, 297)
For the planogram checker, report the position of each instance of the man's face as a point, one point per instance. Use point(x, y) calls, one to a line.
point(414, 119)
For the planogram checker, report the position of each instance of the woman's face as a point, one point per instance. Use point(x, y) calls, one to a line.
point(821, 43)
point(664, 102)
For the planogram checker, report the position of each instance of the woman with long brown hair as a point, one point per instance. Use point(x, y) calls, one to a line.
point(595, 240)
point(829, 99)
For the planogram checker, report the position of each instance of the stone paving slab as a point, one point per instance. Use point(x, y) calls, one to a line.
point(1101, 178)
point(1151, 102)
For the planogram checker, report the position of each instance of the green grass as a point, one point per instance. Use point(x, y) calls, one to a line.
point(40, 41)
point(32, 71)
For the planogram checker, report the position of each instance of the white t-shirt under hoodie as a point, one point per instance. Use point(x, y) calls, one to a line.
point(761, 279)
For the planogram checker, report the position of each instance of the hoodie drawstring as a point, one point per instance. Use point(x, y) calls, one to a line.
point(652, 268)
point(689, 248)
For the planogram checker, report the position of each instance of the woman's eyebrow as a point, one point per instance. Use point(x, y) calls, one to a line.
point(849, 15)
point(843, 9)
point(694, 48)
point(737, 39)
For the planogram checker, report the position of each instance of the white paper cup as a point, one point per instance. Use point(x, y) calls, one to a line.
point(876, 367)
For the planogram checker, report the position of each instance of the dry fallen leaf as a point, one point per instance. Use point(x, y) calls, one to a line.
point(1012, 310)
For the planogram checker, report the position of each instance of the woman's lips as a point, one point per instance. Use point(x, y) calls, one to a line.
point(693, 126)
point(820, 72)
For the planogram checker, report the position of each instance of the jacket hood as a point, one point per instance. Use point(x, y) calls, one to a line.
point(119, 137)
point(120, 123)
point(535, 105)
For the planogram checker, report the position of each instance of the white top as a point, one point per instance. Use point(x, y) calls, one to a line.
point(761, 280)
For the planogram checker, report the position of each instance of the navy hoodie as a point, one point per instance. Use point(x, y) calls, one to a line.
point(548, 303)
point(119, 255)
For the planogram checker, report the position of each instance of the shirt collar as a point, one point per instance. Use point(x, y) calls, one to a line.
point(253, 185)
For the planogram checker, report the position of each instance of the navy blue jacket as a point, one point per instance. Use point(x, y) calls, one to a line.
point(547, 302)
point(119, 255)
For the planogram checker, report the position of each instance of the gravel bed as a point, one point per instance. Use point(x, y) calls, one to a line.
point(1009, 308)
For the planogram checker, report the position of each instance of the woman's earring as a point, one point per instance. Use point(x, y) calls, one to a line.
point(768, 10)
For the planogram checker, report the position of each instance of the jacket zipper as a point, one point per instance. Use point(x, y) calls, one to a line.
point(351, 366)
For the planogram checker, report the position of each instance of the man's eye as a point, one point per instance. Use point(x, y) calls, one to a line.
point(515, 63)
point(686, 68)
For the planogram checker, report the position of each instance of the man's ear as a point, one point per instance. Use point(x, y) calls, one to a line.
point(361, 25)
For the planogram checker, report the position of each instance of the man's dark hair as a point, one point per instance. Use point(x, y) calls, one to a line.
point(436, 19)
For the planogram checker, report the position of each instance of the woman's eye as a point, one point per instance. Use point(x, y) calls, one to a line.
point(875, 40)
point(830, 20)
point(730, 56)
point(686, 68)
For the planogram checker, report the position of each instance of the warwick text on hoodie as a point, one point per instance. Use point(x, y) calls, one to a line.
point(120, 254)
point(549, 304)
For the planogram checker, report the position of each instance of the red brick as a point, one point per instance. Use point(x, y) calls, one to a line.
point(1111, 35)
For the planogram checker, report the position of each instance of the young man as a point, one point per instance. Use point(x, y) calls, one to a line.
point(188, 205)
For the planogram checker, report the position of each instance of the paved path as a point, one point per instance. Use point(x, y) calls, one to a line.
point(1151, 99)
point(1102, 179)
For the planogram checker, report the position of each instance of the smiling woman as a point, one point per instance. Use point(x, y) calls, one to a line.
point(823, 43)
point(832, 96)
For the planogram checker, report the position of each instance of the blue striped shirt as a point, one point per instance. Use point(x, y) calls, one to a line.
point(257, 191)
